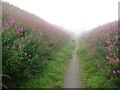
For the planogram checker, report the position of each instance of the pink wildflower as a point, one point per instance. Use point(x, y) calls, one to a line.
point(6, 26)
point(20, 46)
point(107, 57)
point(12, 23)
point(19, 30)
point(118, 71)
point(40, 33)
point(3, 30)
point(116, 61)
point(33, 30)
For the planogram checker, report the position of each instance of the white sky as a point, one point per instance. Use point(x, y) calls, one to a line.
point(75, 15)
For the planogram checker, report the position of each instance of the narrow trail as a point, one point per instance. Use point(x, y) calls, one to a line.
point(72, 78)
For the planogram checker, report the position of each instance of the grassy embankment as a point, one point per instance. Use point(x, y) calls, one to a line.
point(53, 74)
point(92, 75)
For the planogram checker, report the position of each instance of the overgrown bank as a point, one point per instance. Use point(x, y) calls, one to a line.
point(54, 70)
point(99, 57)
point(28, 43)
point(92, 69)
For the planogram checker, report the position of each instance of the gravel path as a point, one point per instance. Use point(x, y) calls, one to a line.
point(72, 79)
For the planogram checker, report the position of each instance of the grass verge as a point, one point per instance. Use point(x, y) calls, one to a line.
point(54, 70)
point(93, 71)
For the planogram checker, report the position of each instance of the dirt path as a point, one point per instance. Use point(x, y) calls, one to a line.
point(72, 79)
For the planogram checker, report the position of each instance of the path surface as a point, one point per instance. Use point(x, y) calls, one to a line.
point(72, 79)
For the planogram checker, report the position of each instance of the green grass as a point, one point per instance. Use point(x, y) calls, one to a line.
point(92, 75)
point(53, 74)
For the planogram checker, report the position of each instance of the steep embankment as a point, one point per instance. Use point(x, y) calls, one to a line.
point(28, 42)
point(99, 57)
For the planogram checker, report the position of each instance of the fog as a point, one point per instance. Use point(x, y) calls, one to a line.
point(74, 15)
